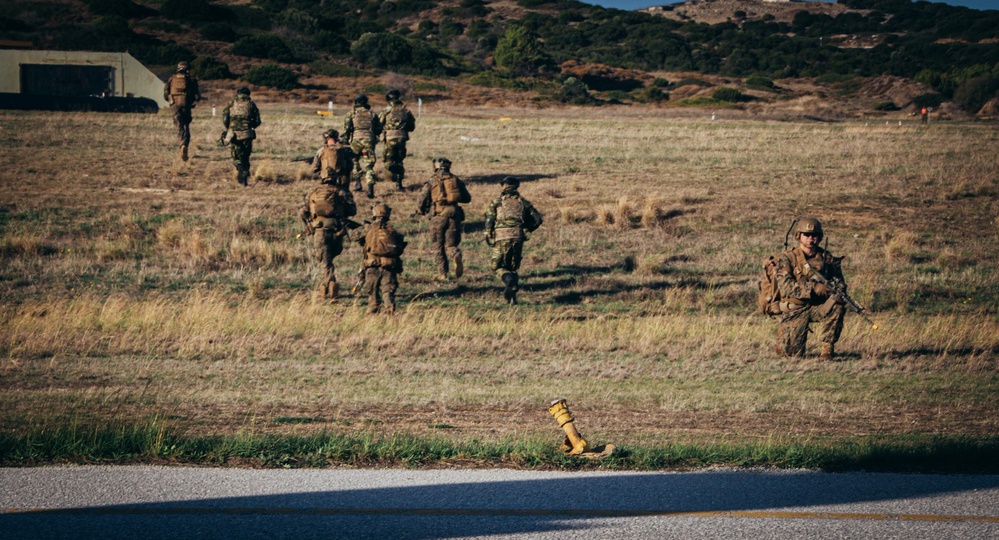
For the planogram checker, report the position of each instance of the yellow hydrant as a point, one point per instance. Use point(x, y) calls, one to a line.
point(575, 444)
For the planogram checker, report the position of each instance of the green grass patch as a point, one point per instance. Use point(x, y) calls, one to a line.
point(153, 442)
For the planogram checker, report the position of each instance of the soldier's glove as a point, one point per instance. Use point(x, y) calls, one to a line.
point(489, 240)
point(821, 290)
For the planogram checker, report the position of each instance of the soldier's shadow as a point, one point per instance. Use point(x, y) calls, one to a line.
point(497, 178)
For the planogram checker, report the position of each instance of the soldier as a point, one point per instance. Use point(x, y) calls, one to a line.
point(804, 300)
point(383, 248)
point(441, 196)
point(325, 216)
point(361, 129)
point(334, 161)
point(507, 220)
point(182, 93)
point(397, 122)
point(241, 117)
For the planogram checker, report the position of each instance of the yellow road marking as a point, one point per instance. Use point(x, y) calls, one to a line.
point(574, 513)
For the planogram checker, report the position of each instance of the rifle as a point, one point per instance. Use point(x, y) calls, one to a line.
point(223, 139)
point(303, 159)
point(838, 288)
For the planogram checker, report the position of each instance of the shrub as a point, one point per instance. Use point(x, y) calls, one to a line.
point(731, 95)
point(652, 95)
point(333, 69)
point(219, 32)
point(266, 46)
point(574, 92)
point(759, 81)
point(689, 81)
point(972, 94)
point(660, 82)
point(208, 68)
point(520, 52)
point(272, 75)
point(927, 100)
point(886, 106)
point(382, 50)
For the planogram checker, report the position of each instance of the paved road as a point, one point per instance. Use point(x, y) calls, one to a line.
point(180, 502)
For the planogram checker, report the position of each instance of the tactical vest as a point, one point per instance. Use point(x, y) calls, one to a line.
point(239, 119)
point(363, 124)
point(395, 123)
point(328, 162)
point(446, 191)
point(510, 213)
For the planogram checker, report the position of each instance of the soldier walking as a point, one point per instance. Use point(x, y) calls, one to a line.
point(325, 214)
point(803, 299)
point(441, 197)
point(361, 129)
point(508, 218)
point(333, 162)
point(383, 249)
point(241, 117)
point(182, 93)
point(397, 123)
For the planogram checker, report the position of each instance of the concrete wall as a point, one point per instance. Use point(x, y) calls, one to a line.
point(131, 78)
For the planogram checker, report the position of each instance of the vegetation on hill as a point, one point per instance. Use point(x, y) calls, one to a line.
point(503, 43)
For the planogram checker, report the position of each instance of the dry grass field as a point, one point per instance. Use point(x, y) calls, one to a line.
point(136, 287)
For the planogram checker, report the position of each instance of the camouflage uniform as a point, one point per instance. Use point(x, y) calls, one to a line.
point(507, 219)
point(397, 123)
point(804, 301)
point(325, 214)
point(241, 117)
point(333, 162)
point(381, 270)
point(440, 197)
point(182, 93)
point(361, 129)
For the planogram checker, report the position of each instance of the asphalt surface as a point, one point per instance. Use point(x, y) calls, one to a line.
point(180, 502)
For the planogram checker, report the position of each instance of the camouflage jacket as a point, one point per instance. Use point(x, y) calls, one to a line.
point(356, 125)
point(793, 273)
point(511, 211)
point(241, 114)
point(397, 122)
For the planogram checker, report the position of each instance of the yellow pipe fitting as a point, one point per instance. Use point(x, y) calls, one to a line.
point(560, 411)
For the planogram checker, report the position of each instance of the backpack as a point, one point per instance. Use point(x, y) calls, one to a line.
point(768, 299)
point(325, 204)
point(384, 241)
point(448, 189)
point(363, 123)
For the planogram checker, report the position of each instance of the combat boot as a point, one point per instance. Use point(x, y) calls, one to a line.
point(459, 266)
point(333, 292)
point(828, 351)
point(398, 183)
point(510, 288)
point(242, 177)
point(183, 152)
point(357, 184)
point(371, 191)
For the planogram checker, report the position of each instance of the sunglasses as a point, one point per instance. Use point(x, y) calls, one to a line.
point(810, 234)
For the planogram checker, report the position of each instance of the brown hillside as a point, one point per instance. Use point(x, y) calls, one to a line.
point(718, 11)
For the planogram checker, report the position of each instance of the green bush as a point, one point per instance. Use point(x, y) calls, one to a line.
point(653, 95)
point(219, 32)
point(272, 75)
point(759, 81)
point(520, 52)
point(383, 50)
point(886, 106)
point(927, 100)
point(334, 69)
point(208, 68)
point(730, 95)
point(265, 46)
point(972, 94)
point(660, 82)
point(574, 92)
point(692, 81)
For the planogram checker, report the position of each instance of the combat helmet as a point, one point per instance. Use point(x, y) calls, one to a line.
point(361, 100)
point(442, 163)
point(243, 91)
point(808, 225)
point(510, 182)
point(183, 66)
point(393, 96)
point(331, 133)
point(381, 212)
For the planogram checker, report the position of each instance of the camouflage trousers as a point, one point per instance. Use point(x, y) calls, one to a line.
point(182, 120)
point(326, 245)
point(445, 233)
point(506, 257)
point(381, 283)
point(241, 151)
point(792, 331)
point(393, 155)
point(364, 160)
